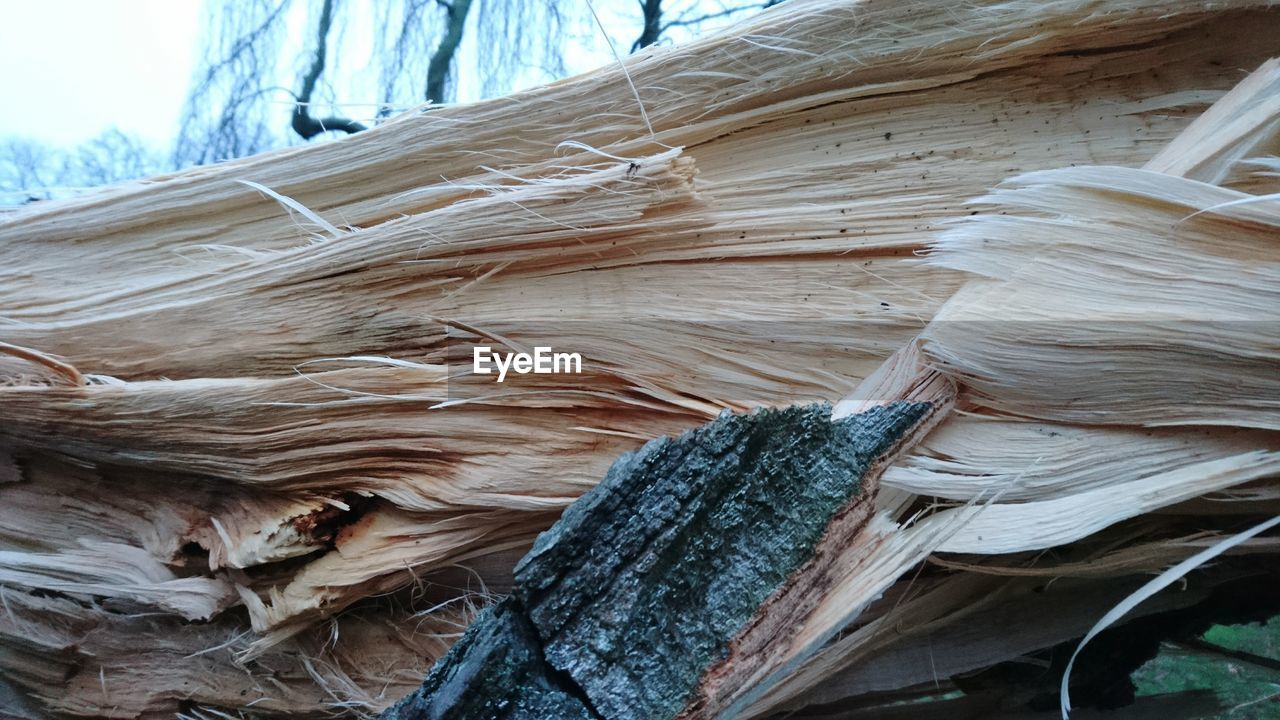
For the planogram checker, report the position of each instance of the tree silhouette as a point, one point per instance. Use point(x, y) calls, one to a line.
point(303, 122)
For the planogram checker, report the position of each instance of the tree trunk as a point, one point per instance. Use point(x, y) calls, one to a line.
point(651, 12)
point(442, 59)
point(304, 123)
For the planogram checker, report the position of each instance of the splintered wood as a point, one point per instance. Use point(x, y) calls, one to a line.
point(241, 468)
point(713, 538)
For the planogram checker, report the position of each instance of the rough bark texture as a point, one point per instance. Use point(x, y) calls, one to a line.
point(622, 607)
point(497, 670)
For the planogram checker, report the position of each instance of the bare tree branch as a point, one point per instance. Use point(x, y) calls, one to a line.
point(652, 10)
point(654, 27)
point(510, 52)
point(685, 22)
point(231, 110)
point(442, 58)
point(303, 123)
point(217, 122)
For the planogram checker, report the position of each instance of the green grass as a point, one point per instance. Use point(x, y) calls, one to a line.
point(1248, 690)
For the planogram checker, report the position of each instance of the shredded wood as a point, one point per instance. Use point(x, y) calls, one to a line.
point(241, 471)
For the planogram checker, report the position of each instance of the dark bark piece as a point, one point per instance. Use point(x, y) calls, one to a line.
point(495, 671)
point(627, 603)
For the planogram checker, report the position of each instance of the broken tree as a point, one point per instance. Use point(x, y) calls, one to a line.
point(238, 472)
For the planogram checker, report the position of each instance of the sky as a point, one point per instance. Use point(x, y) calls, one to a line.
point(74, 68)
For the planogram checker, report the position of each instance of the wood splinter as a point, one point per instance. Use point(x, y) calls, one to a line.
point(649, 598)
